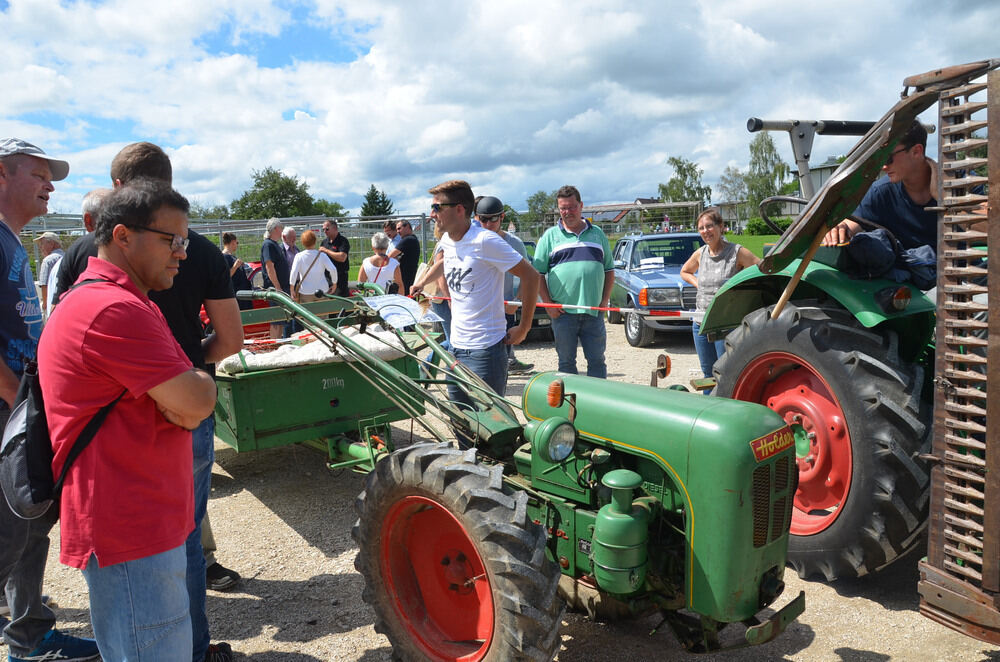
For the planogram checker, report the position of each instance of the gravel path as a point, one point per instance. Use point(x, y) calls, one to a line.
point(283, 521)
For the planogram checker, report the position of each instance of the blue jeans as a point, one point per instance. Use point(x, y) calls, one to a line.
point(590, 331)
point(203, 445)
point(489, 363)
point(139, 608)
point(24, 548)
point(708, 351)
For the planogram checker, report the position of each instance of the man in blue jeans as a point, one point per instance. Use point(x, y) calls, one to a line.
point(26, 176)
point(575, 259)
point(474, 263)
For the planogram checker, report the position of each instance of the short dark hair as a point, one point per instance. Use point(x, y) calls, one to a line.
point(713, 214)
point(134, 206)
point(389, 224)
point(406, 224)
point(331, 222)
point(228, 238)
point(915, 135)
point(141, 160)
point(568, 192)
point(457, 191)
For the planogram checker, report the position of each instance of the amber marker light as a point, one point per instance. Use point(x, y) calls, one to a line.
point(555, 393)
point(901, 298)
point(643, 297)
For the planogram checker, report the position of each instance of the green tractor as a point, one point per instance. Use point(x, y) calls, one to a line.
point(618, 499)
point(850, 361)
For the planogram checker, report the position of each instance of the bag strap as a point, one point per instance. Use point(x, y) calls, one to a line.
point(83, 440)
point(94, 424)
point(298, 283)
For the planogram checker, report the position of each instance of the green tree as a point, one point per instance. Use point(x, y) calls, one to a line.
point(767, 172)
point(329, 209)
point(733, 185)
point(273, 194)
point(376, 203)
point(199, 210)
point(539, 204)
point(685, 185)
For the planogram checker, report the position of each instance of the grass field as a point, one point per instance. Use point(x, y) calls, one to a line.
point(753, 243)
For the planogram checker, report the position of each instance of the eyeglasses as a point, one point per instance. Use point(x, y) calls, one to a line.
point(438, 206)
point(177, 243)
point(492, 218)
point(893, 155)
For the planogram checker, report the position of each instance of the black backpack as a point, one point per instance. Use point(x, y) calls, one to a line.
point(26, 451)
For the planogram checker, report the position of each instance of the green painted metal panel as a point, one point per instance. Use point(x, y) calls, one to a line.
point(269, 408)
point(703, 446)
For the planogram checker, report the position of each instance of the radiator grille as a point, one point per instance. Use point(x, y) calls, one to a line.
point(761, 504)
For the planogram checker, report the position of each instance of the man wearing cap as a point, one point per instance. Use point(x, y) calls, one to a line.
point(490, 214)
point(26, 176)
point(51, 248)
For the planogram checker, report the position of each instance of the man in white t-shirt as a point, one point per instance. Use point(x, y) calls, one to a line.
point(474, 264)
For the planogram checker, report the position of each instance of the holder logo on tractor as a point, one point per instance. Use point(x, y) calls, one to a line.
point(848, 361)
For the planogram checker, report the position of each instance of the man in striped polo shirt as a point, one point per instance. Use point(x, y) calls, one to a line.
point(574, 257)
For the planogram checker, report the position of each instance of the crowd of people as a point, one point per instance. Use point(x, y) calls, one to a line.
point(119, 322)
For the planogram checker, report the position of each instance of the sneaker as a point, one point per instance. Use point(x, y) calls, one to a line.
point(221, 578)
point(5, 608)
point(61, 647)
point(220, 652)
point(516, 366)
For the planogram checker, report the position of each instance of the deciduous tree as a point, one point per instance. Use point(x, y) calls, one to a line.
point(273, 194)
point(685, 185)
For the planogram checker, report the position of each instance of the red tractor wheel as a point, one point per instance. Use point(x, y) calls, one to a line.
point(863, 491)
point(452, 566)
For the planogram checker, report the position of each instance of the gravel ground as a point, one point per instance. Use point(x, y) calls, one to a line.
point(283, 521)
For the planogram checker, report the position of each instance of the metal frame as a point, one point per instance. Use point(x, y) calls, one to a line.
point(960, 578)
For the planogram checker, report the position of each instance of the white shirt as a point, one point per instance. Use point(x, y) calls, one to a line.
point(474, 268)
point(316, 278)
point(381, 276)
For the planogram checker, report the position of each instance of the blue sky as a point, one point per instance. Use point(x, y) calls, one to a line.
point(513, 96)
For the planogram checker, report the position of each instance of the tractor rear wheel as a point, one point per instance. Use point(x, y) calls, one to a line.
point(453, 566)
point(862, 498)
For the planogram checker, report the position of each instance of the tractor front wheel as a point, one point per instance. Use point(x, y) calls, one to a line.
point(862, 497)
point(453, 567)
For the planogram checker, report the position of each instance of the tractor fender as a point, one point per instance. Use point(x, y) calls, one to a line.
point(750, 290)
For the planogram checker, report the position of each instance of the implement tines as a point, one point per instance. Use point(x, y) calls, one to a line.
point(961, 577)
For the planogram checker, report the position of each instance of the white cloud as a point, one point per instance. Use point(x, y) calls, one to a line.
point(514, 96)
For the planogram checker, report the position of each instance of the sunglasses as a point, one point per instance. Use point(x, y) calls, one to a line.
point(177, 242)
point(893, 155)
point(438, 206)
point(494, 218)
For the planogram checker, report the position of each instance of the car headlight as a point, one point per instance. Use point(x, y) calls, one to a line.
point(553, 439)
point(664, 296)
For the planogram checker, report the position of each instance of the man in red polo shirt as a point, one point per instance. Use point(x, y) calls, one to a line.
point(127, 502)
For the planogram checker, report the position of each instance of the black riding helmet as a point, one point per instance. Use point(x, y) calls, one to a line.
point(489, 206)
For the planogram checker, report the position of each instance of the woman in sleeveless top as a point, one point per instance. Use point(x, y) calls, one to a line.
point(707, 269)
point(379, 268)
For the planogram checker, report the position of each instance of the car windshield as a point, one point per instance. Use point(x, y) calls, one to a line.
point(664, 251)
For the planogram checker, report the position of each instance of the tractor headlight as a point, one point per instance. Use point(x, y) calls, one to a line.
point(553, 439)
point(664, 296)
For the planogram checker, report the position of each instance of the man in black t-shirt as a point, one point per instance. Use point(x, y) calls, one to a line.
point(337, 248)
point(74, 262)
point(275, 268)
point(407, 251)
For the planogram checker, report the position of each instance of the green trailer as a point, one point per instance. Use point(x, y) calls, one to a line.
point(319, 405)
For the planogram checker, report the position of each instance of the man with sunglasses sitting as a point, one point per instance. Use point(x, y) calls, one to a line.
point(901, 200)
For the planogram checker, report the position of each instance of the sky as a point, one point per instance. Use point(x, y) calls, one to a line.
point(512, 96)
